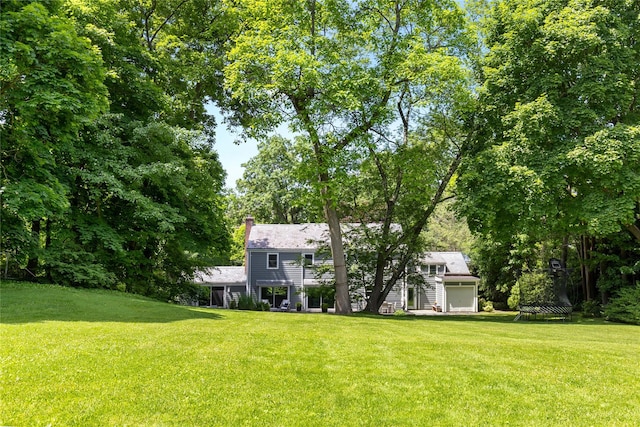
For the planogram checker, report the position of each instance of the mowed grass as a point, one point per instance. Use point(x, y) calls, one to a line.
point(98, 358)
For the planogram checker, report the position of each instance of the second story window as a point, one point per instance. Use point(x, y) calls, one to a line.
point(308, 260)
point(430, 270)
point(272, 261)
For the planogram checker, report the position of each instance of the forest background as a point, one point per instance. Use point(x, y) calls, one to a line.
point(518, 118)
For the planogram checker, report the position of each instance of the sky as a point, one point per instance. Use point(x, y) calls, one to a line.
point(231, 155)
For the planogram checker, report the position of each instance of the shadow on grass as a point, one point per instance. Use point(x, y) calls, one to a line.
point(22, 302)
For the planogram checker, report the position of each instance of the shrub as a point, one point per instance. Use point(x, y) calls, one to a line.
point(591, 309)
point(233, 304)
point(399, 313)
point(246, 302)
point(625, 307)
point(488, 307)
point(514, 299)
point(535, 288)
point(263, 306)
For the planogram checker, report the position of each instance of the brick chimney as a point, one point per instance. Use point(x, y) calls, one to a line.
point(248, 223)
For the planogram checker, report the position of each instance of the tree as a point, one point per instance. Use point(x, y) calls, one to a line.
point(400, 185)
point(164, 56)
point(130, 197)
point(273, 189)
point(336, 72)
point(560, 124)
point(446, 232)
point(51, 86)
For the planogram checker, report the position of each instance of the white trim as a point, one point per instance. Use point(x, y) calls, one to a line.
point(473, 286)
point(277, 260)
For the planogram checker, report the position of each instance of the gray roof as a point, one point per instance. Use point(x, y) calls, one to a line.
point(221, 275)
point(433, 258)
point(297, 236)
point(287, 236)
point(306, 237)
point(455, 262)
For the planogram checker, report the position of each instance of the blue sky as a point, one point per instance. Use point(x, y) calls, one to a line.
point(231, 155)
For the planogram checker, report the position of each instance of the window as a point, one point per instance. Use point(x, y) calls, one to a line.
point(274, 295)
point(308, 260)
point(272, 261)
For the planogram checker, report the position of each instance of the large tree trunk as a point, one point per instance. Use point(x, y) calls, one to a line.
point(343, 301)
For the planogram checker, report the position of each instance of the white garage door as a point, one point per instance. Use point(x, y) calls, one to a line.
point(460, 298)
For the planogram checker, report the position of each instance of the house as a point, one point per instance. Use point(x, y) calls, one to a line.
point(281, 263)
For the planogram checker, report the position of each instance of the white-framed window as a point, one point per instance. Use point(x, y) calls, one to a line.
point(308, 259)
point(430, 270)
point(273, 261)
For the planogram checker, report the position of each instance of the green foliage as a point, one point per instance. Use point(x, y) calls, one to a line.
point(446, 232)
point(264, 306)
point(488, 307)
point(535, 288)
point(514, 298)
point(591, 308)
point(499, 263)
point(273, 188)
point(237, 252)
point(51, 85)
point(558, 149)
point(625, 306)
point(246, 302)
point(104, 184)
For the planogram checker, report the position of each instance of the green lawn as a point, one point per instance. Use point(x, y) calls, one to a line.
point(97, 358)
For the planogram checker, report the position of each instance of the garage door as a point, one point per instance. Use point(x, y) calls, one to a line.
point(460, 298)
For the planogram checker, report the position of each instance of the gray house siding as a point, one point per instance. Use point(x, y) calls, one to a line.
point(289, 268)
point(289, 273)
point(440, 294)
point(427, 294)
